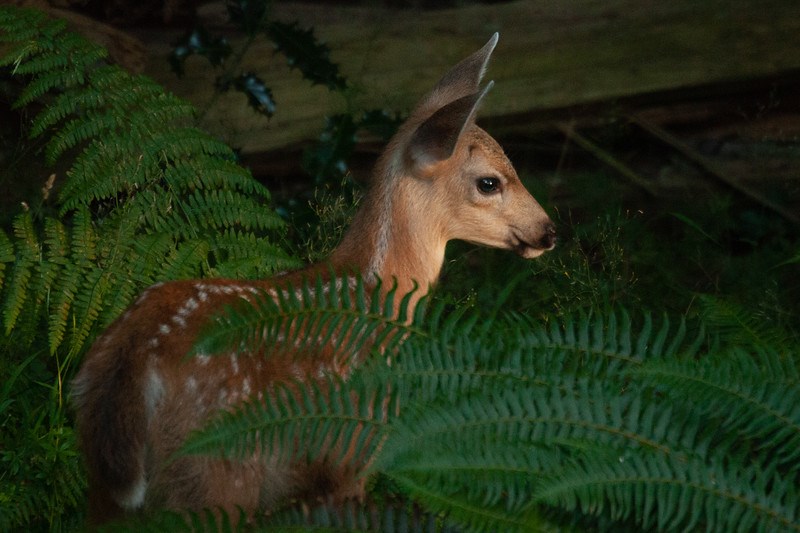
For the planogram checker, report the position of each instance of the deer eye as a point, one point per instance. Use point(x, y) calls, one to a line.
point(488, 185)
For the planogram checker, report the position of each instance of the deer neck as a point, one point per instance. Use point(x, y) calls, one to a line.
point(393, 238)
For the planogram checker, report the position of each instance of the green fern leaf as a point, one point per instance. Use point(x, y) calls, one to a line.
point(474, 515)
point(27, 257)
point(203, 172)
point(757, 409)
point(77, 130)
point(242, 254)
point(56, 248)
point(88, 304)
point(669, 493)
point(70, 102)
point(597, 344)
point(309, 317)
point(61, 304)
point(185, 261)
point(211, 520)
point(223, 210)
point(740, 326)
point(569, 411)
point(298, 422)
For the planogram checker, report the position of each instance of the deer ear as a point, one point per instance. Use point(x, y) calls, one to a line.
point(462, 80)
point(435, 139)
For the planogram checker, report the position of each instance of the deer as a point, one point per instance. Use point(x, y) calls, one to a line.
point(137, 395)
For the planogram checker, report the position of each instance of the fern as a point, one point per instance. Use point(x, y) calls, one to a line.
point(293, 423)
point(145, 196)
point(138, 180)
point(350, 517)
point(739, 325)
point(754, 397)
point(498, 423)
point(660, 492)
point(341, 314)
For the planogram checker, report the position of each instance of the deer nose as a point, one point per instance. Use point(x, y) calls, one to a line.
point(548, 241)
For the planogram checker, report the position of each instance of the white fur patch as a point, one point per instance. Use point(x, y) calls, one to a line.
point(153, 392)
point(134, 498)
point(378, 259)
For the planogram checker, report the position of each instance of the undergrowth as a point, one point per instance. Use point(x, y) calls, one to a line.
point(595, 388)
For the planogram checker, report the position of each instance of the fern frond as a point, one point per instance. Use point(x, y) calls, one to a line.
point(355, 518)
point(222, 209)
point(89, 301)
point(203, 172)
point(557, 415)
point(500, 475)
point(348, 517)
point(139, 168)
point(20, 26)
point(210, 520)
point(185, 261)
point(338, 420)
point(61, 304)
point(451, 361)
point(475, 516)
point(753, 397)
point(597, 344)
point(739, 325)
point(91, 125)
point(27, 255)
point(668, 493)
point(69, 102)
point(310, 316)
point(241, 254)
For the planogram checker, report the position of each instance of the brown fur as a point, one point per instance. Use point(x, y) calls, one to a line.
point(138, 395)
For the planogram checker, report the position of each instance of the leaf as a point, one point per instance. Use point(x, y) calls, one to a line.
point(304, 52)
point(198, 42)
point(259, 96)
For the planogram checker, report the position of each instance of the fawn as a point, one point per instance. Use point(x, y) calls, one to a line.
point(138, 395)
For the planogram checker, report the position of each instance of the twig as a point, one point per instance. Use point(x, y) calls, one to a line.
point(624, 170)
point(709, 167)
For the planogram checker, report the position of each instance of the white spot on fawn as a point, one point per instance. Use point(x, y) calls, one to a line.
point(188, 306)
point(191, 384)
point(235, 363)
point(134, 498)
point(179, 320)
point(153, 391)
point(164, 329)
point(246, 387)
point(203, 359)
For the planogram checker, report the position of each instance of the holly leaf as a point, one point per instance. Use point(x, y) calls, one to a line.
point(199, 41)
point(304, 52)
point(259, 96)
